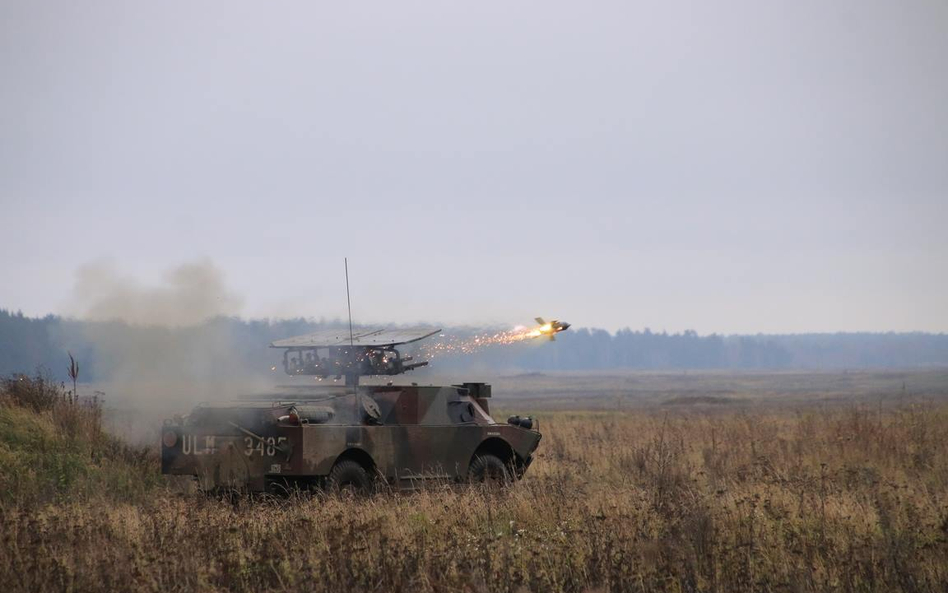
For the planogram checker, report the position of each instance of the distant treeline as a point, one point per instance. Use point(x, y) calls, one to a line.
point(220, 345)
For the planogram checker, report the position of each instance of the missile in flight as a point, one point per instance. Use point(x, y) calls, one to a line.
point(550, 328)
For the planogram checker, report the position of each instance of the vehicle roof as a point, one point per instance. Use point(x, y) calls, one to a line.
point(276, 403)
point(287, 394)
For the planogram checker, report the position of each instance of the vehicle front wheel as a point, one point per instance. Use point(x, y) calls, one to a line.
point(348, 476)
point(488, 469)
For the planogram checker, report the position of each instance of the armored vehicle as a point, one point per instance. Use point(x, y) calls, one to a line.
point(349, 437)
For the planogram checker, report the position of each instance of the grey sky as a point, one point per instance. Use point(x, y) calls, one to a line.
point(736, 166)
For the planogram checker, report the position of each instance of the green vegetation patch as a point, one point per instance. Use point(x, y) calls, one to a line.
point(35, 461)
point(57, 452)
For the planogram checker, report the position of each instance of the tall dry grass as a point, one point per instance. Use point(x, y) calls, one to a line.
point(834, 499)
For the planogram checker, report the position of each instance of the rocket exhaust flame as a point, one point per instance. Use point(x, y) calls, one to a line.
point(451, 345)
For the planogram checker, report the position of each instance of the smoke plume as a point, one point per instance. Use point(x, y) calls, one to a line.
point(189, 295)
point(159, 349)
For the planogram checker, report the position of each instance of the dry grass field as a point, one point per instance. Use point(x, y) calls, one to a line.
point(727, 488)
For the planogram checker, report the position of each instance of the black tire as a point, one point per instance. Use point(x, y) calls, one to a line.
point(488, 469)
point(348, 476)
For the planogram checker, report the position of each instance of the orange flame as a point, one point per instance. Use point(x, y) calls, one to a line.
point(449, 345)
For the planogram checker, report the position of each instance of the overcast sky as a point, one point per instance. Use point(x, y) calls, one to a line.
point(733, 166)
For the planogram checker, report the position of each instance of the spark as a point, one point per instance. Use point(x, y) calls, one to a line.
point(453, 345)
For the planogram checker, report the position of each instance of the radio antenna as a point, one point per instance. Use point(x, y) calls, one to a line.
point(348, 301)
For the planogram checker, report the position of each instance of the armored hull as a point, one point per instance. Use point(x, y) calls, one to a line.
point(359, 437)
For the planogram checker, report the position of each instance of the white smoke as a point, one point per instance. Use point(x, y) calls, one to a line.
point(160, 348)
point(189, 295)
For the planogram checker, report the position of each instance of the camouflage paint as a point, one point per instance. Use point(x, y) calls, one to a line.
point(423, 433)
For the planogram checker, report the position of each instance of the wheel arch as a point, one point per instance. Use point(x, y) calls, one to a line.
point(360, 456)
point(497, 447)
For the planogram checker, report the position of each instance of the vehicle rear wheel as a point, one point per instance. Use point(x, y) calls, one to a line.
point(347, 476)
point(488, 469)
